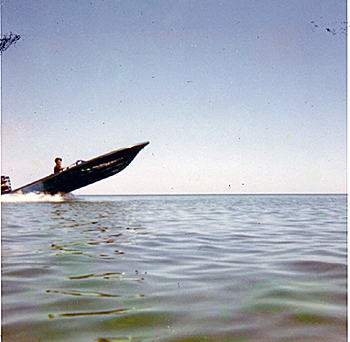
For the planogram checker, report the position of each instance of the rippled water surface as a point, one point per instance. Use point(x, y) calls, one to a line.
point(175, 268)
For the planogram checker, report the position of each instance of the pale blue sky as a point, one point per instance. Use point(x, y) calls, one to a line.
point(234, 96)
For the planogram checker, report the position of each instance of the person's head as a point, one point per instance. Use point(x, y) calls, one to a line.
point(58, 161)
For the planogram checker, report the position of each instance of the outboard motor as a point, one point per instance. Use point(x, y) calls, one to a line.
point(5, 185)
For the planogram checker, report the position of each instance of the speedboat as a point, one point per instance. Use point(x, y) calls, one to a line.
point(79, 174)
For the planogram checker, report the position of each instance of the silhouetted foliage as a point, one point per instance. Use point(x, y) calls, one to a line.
point(7, 40)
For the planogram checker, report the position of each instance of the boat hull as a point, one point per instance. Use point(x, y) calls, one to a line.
point(84, 173)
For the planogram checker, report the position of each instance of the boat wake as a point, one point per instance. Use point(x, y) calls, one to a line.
point(36, 197)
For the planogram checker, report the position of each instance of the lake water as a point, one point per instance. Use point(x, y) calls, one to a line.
point(174, 268)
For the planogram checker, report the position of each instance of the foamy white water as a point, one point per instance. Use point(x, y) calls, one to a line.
point(34, 197)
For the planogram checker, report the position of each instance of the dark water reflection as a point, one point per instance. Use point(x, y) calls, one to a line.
point(175, 268)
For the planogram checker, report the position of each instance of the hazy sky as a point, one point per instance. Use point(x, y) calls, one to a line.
point(234, 96)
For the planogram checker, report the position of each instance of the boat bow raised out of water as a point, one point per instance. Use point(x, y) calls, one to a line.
point(78, 175)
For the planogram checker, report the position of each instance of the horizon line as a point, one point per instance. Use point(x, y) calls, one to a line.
point(219, 194)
